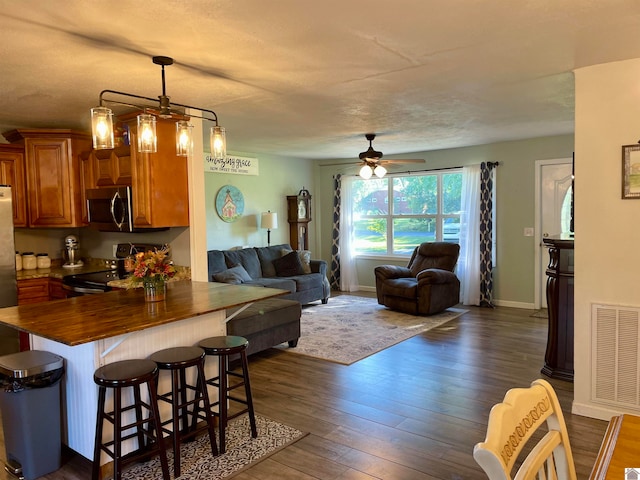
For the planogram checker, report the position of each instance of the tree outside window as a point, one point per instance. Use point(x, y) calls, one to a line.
point(393, 215)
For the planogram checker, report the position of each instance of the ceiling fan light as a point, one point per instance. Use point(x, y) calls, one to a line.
point(147, 137)
point(102, 128)
point(184, 138)
point(218, 143)
point(380, 171)
point(366, 172)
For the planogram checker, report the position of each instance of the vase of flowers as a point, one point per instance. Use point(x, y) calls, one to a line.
point(152, 269)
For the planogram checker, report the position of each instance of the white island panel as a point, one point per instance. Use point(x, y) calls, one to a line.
point(80, 391)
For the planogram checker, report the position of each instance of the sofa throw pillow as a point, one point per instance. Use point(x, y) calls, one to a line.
point(235, 275)
point(305, 258)
point(289, 265)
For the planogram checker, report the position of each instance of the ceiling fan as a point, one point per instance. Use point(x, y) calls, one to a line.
point(372, 162)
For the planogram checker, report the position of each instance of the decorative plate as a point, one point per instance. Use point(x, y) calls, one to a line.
point(229, 203)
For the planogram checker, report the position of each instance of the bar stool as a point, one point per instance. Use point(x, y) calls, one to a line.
point(177, 360)
point(119, 375)
point(223, 348)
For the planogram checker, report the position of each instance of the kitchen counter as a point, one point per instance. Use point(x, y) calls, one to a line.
point(57, 271)
point(93, 317)
point(93, 330)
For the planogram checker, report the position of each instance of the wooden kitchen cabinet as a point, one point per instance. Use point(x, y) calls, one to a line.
point(12, 173)
point(33, 290)
point(56, 292)
point(111, 168)
point(52, 169)
point(159, 182)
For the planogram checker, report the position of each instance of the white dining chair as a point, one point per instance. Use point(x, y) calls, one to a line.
point(510, 443)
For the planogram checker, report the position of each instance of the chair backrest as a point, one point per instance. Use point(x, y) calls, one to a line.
point(442, 255)
point(512, 424)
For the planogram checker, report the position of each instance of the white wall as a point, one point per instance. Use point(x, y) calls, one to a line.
point(607, 233)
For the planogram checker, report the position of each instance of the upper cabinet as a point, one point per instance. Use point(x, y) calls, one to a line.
point(12, 173)
point(159, 182)
point(52, 168)
point(53, 178)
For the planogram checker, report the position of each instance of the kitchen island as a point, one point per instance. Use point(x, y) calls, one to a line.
point(93, 330)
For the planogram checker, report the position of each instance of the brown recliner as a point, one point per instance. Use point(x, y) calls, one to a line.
point(426, 286)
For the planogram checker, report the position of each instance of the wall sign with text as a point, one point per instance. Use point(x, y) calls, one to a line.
point(231, 164)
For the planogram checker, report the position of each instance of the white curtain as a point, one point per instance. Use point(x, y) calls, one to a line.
point(468, 269)
point(348, 273)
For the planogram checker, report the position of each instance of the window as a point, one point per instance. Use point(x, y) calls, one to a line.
point(393, 215)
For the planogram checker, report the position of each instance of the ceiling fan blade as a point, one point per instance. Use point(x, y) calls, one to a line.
point(401, 161)
point(340, 164)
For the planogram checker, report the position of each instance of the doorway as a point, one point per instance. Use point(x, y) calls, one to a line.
point(553, 204)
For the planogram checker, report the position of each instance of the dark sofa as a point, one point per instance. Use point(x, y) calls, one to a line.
point(272, 267)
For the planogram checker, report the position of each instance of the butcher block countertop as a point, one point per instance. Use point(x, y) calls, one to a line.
point(85, 319)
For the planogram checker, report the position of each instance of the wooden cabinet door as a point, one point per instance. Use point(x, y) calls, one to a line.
point(56, 291)
point(48, 166)
point(12, 173)
point(112, 168)
point(33, 290)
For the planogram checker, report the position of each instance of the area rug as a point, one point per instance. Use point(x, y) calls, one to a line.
point(242, 451)
point(350, 328)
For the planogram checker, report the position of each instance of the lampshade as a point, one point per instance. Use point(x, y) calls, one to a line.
point(184, 138)
point(380, 171)
point(102, 127)
point(366, 172)
point(147, 138)
point(269, 220)
point(218, 143)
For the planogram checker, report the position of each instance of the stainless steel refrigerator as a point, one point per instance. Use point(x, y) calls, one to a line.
point(9, 337)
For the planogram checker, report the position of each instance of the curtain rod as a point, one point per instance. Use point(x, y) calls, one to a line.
point(489, 164)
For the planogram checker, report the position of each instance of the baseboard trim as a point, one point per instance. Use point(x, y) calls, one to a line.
point(593, 411)
point(507, 303)
point(497, 303)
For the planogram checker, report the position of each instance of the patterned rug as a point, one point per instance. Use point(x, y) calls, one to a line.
point(350, 328)
point(197, 463)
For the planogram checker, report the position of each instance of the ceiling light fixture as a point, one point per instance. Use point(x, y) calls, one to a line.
point(102, 121)
point(370, 160)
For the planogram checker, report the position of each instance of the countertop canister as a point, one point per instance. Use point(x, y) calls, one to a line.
point(29, 261)
point(43, 260)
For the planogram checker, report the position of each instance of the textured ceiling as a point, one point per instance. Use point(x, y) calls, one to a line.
point(309, 78)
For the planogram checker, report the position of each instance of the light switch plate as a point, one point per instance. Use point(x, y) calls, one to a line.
point(528, 232)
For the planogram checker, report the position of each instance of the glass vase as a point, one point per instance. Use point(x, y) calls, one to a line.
point(154, 291)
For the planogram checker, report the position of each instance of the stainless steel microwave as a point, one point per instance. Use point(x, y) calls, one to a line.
point(110, 209)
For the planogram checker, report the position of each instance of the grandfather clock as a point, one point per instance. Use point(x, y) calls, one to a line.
point(299, 216)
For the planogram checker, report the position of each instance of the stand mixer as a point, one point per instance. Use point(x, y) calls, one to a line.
point(71, 252)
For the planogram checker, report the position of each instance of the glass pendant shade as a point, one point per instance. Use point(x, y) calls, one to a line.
point(218, 143)
point(147, 138)
point(366, 172)
point(184, 138)
point(102, 127)
point(380, 171)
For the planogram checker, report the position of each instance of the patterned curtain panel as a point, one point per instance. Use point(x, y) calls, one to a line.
point(486, 233)
point(334, 269)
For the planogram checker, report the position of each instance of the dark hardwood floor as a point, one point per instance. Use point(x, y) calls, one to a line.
point(412, 411)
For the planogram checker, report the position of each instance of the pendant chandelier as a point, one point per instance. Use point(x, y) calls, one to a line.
point(147, 142)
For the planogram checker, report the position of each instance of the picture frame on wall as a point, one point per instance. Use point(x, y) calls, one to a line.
point(631, 172)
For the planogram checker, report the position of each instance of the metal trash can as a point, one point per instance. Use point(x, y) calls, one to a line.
point(30, 409)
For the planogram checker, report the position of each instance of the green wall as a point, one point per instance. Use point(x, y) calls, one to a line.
point(514, 276)
point(278, 177)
